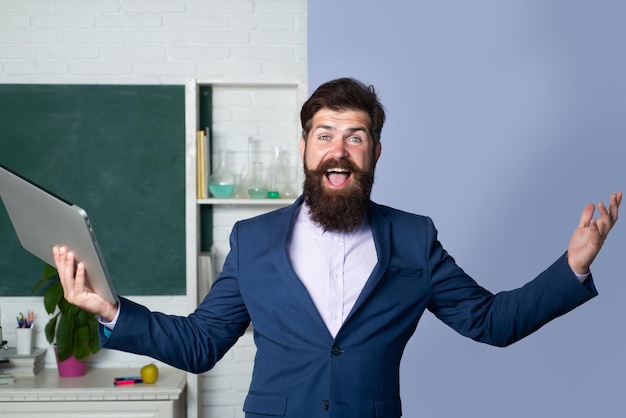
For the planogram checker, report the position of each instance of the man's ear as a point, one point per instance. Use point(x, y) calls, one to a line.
point(377, 151)
point(302, 147)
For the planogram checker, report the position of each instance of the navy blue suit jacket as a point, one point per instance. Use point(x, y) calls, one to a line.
point(300, 370)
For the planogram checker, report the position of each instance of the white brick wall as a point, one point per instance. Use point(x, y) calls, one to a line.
point(164, 42)
point(151, 42)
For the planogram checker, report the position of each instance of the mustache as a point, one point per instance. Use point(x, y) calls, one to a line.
point(341, 163)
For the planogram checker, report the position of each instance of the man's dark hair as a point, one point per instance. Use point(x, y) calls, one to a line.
point(344, 94)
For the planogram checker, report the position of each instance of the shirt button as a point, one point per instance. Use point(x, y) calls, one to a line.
point(325, 405)
point(335, 350)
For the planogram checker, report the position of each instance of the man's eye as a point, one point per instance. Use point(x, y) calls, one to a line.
point(324, 138)
point(355, 139)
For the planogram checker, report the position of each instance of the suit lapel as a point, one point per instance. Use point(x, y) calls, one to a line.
point(280, 236)
point(381, 230)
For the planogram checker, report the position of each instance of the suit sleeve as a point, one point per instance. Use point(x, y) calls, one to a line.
point(503, 318)
point(195, 342)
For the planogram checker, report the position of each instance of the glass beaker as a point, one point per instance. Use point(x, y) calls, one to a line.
point(222, 180)
point(257, 188)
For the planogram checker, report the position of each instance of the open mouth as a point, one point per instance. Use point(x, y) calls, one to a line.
point(338, 176)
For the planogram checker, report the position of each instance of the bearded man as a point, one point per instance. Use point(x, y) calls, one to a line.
point(335, 284)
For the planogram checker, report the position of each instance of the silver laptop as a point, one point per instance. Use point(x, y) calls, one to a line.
point(43, 220)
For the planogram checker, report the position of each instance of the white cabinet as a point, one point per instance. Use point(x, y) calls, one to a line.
point(235, 112)
point(47, 395)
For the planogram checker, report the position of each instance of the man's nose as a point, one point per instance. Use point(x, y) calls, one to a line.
point(339, 149)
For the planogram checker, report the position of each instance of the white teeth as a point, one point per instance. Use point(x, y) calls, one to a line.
point(337, 170)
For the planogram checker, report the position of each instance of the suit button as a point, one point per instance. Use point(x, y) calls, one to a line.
point(335, 350)
point(325, 405)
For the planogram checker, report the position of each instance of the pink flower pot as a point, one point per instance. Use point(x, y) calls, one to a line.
point(71, 367)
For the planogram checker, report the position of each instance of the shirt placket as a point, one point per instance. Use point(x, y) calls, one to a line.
point(336, 282)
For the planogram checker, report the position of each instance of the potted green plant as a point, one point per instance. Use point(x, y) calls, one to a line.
point(71, 329)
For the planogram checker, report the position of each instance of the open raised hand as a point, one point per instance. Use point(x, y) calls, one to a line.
point(589, 236)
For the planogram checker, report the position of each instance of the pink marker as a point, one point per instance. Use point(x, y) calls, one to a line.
point(127, 382)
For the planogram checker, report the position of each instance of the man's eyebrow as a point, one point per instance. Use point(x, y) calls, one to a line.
point(357, 128)
point(332, 128)
point(320, 126)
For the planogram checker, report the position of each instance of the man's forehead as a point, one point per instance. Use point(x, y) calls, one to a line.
point(329, 118)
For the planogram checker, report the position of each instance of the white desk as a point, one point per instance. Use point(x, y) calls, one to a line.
point(49, 396)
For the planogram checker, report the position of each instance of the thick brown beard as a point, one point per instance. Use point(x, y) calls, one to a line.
point(341, 210)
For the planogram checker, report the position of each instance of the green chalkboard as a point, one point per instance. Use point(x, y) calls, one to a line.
point(117, 151)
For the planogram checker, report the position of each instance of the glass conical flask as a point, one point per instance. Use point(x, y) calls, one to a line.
point(239, 191)
point(222, 180)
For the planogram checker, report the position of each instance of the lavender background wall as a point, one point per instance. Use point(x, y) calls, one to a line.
point(504, 120)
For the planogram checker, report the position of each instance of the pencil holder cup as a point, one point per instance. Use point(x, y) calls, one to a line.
point(24, 340)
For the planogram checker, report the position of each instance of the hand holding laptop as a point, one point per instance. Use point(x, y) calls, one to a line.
point(43, 220)
point(73, 281)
